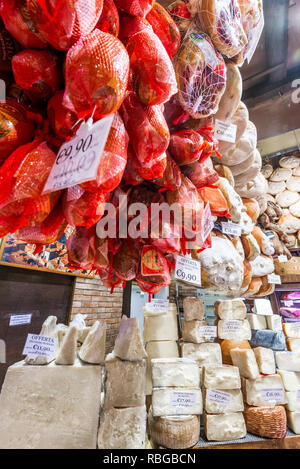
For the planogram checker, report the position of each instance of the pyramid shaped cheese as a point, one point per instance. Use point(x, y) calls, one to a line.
point(68, 348)
point(129, 345)
point(93, 347)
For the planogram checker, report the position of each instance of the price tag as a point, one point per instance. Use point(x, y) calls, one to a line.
point(232, 325)
point(225, 131)
point(188, 270)
point(208, 331)
point(272, 394)
point(39, 346)
point(222, 398)
point(18, 320)
point(298, 395)
point(208, 223)
point(231, 228)
point(282, 258)
point(273, 278)
point(183, 400)
point(288, 303)
point(158, 305)
point(77, 160)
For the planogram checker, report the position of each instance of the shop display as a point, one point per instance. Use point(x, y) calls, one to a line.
point(224, 427)
point(93, 347)
point(206, 352)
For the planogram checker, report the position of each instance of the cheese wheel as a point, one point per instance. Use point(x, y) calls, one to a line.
point(232, 94)
point(295, 209)
point(287, 198)
point(228, 345)
point(275, 188)
point(252, 207)
point(293, 184)
point(243, 149)
point(254, 287)
point(262, 265)
point(244, 166)
point(254, 188)
point(296, 171)
point(280, 174)
point(267, 170)
point(289, 223)
point(251, 173)
point(224, 427)
point(289, 162)
point(267, 422)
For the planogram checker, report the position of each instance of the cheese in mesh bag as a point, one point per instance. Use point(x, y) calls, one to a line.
point(171, 179)
point(200, 174)
point(253, 21)
point(96, 75)
point(186, 146)
point(109, 20)
point(153, 271)
point(81, 248)
point(125, 262)
point(82, 208)
point(129, 25)
point(181, 14)
point(135, 7)
point(153, 170)
point(165, 28)
point(63, 22)
point(130, 175)
point(201, 74)
point(62, 119)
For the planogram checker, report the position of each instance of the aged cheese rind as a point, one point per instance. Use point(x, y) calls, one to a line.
point(289, 361)
point(265, 360)
point(292, 330)
point(274, 322)
point(225, 427)
point(227, 345)
point(129, 344)
point(293, 400)
point(267, 422)
point(230, 309)
point(293, 345)
point(166, 401)
point(191, 331)
point(257, 321)
point(123, 428)
point(193, 309)
point(294, 421)
point(246, 362)
point(68, 348)
point(162, 328)
point(49, 329)
point(93, 348)
point(290, 379)
point(204, 353)
point(225, 331)
point(268, 339)
point(254, 387)
point(177, 372)
point(125, 382)
point(235, 402)
point(50, 407)
point(221, 377)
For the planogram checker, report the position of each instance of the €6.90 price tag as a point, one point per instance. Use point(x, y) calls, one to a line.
point(231, 229)
point(188, 270)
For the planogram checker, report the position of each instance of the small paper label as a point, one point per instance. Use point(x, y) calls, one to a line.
point(159, 305)
point(272, 394)
point(39, 346)
point(298, 395)
point(222, 398)
point(18, 320)
point(232, 326)
point(188, 270)
point(225, 131)
point(208, 223)
point(231, 228)
point(273, 278)
point(208, 331)
point(282, 258)
point(183, 400)
point(288, 303)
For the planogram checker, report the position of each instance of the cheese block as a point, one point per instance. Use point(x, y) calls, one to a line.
point(192, 331)
point(262, 265)
point(294, 421)
point(129, 344)
point(227, 345)
point(265, 360)
point(224, 427)
point(257, 321)
point(50, 407)
point(162, 349)
point(230, 309)
point(161, 328)
point(274, 322)
point(61, 332)
point(49, 329)
point(221, 377)
point(125, 382)
point(123, 428)
point(93, 348)
point(178, 401)
point(293, 345)
point(293, 400)
point(174, 431)
point(83, 333)
point(223, 402)
point(193, 309)
point(292, 330)
point(246, 362)
point(263, 307)
point(264, 391)
point(175, 372)
point(204, 353)
point(234, 330)
point(289, 361)
point(267, 422)
point(68, 348)
point(268, 339)
point(290, 379)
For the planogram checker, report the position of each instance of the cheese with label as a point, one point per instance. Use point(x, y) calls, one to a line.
point(293, 345)
point(148, 311)
point(224, 427)
point(179, 401)
point(161, 328)
point(274, 322)
point(125, 382)
point(257, 321)
point(129, 344)
point(230, 309)
point(294, 421)
point(263, 307)
point(246, 362)
point(258, 390)
point(93, 348)
point(204, 353)
point(292, 330)
point(289, 361)
point(265, 360)
point(50, 407)
point(221, 377)
point(68, 347)
point(180, 372)
point(123, 428)
point(234, 330)
point(293, 400)
point(162, 349)
point(192, 332)
point(193, 309)
point(268, 339)
point(227, 345)
point(49, 329)
point(290, 379)
point(223, 402)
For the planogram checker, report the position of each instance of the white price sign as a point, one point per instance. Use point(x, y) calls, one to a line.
point(273, 278)
point(222, 398)
point(288, 303)
point(188, 270)
point(39, 346)
point(18, 320)
point(282, 258)
point(225, 131)
point(231, 228)
point(208, 223)
point(78, 159)
point(272, 395)
point(159, 305)
point(183, 399)
point(232, 325)
point(208, 331)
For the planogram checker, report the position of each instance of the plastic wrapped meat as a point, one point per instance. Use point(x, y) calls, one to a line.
point(201, 75)
point(153, 270)
point(135, 7)
point(171, 179)
point(217, 202)
point(200, 174)
point(109, 20)
point(165, 28)
point(166, 236)
point(126, 261)
point(153, 73)
point(63, 22)
point(131, 25)
point(37, 72)
point(109, 278)
point(252, 20)
point(61, 119)
point(82, 208)
point(102, 253)
point(186, 146)
point(81, 248)
point(97, 70)
point(291, 296)
point(208, 133)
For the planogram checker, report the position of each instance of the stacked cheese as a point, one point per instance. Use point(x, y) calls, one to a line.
point(292, 333)
point(123, 420)
point(288, 364)
point(266, 326)
point(160, 335)
point(196, 343)
point(176, 403)
point(223, 403)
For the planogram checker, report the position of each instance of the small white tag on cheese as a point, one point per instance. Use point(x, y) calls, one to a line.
point(39, 346)
point(282, 258)
point(275, 279)
point(208, 331)
point(231, 228)
point(225, 131)
point(188, 270)
point(221, 397)
point(19, 319)
point(158, 304)
point(232, 325)
point(272, 394)
point(182, 399)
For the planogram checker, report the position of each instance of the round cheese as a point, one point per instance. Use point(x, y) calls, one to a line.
point(295, 209)
point(289, 162)
point(243, 149)
point(255, 188)
point(280, 174)
point(287, 198)
point(267, 170)
point(232, 94)
point(267, 422)
point(293, 184)
point(275, 188)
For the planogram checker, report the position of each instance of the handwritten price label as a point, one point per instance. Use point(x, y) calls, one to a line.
point(222, 398)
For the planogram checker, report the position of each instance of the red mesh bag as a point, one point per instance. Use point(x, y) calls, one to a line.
point(109, 20)
point(186, 146)
point(181, 14)
point(166, 236)
point(153, 74)
point(113, 160)
point(126, 261)
point(147, 128)
point(81, 248)
point(63, 22)
point(200, 174)
point(149, 171)
point(153, 271)
point(16, 128)
point(130, 176)
point(131, 25)
point(171, 179)
point(165, 28)
point(102, 253)
point(109, 278)
point(62, 120)
point(217, 201)
point(135, 7)
point(97, 70)
point(9, 47)
point(82, 208)
point(17, 21)
point(37, 72)
point(207, 133)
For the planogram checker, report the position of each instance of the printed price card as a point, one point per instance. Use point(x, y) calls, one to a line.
point(208, 331)
point(282, 258)
point(231, 228)
point(272, 395)
point(225, 131)
point(182, 399)
point(273, 278)
point(19, 319)
point(188, 270)
point(158, 304)
point(221, 397)
point(39, 346)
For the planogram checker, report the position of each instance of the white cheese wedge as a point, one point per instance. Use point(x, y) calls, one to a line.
point(257, 321)
point(245, 360)
point(293, 345)
point(129, 344)
point(68, 347)
point(274, 322)
point(234, 330)
point(123, 428)
point(221, 377)
point(225, 427)
point(204, 353)
point(93, 347)
point(180, 372)
point(265, 360)
point(290, 379)
point(230, 309)
point(289, 361)
point(220, 402)
point(293, 400)
point(193, 309)
point(292, 330)
point(265, 391)
point(294, 421)
point(192, 331)
point(179, 401)
point(263, 306)
point(161, 328)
